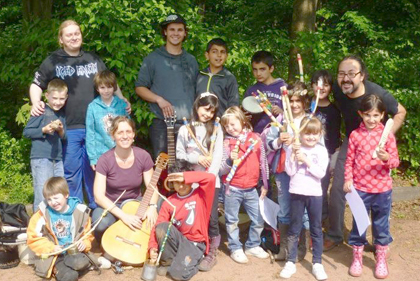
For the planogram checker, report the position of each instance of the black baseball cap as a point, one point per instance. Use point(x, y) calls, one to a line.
point(175, 18)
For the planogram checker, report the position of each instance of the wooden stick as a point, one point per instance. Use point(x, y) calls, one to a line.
point(318, 92)
point(299, 59)
point(214, 135)
point(194, 138)
point(265, 109)
point(387, 129)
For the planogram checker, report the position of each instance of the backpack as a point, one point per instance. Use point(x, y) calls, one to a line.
point(13, 222)
point(270, 240)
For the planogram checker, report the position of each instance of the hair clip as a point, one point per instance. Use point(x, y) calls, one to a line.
point(206, 94)
point(228, 114)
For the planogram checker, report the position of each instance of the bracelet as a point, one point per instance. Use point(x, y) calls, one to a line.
point(153, 205)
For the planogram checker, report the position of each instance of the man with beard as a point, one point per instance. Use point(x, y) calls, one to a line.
point(352, 85)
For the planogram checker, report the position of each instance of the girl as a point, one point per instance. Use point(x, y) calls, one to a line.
point(241, 144)
point(372, 181)
point(306, 165)
point(203, 124)
point(275, 141)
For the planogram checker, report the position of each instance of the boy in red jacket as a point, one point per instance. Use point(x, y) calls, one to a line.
point(188, 239)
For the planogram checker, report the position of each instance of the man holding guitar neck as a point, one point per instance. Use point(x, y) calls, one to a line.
point(352, 85)
point(166, 80)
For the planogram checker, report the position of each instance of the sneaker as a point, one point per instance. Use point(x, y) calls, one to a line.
point(257, 252)
point(239, 256)
point(288, 270)
point(319, 272)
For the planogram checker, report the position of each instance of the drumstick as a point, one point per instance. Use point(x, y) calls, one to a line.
point(384, 137)
point(194, 138)
point(265, 109)
point(299, 59)
point(214, 135)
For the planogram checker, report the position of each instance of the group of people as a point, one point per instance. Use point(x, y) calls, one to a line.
point(90, 144)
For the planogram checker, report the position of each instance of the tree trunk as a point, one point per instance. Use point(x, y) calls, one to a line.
point(36, 9)
point(303, 20)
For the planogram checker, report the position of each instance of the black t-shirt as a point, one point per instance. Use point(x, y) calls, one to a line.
point(331, 119)
point(349, 107)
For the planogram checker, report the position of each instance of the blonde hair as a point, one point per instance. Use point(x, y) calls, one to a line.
point(105, 77)
point(63, 25)
point(238, 113)
point(313, 126)
point(57, 85)
point(55, 185)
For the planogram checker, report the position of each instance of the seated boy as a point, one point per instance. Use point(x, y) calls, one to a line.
point(187, 240)
point(55, 226)
point(216, 78)
point(262, 68)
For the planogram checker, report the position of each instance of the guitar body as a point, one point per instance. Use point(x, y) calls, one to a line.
point(124, 244)
point(127, 245)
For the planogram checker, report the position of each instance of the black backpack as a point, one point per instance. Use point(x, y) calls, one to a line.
point(270, 240)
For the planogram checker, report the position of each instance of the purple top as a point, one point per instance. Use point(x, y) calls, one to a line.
point(260, 120)
point(119, 179)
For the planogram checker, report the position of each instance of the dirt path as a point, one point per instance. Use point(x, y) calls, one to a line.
point(404, 263)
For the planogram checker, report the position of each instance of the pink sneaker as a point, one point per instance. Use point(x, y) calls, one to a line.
point(381, 268)
point(357, 264)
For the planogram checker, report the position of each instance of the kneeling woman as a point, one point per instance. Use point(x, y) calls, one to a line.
point(122, 168)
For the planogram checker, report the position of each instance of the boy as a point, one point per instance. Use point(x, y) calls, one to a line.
point(100, 113)
point(47, 132)
point(262, 68)
point(57, 225)
point(216, 78)
point(188, 238)
point(330, 117)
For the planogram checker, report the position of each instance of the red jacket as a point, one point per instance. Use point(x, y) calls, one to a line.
point(192, 213)
point(368, 174)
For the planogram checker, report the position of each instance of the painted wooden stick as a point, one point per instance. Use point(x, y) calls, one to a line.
point(214, 135)
point(265, 109)
point(194, 138)
point(314, 108)
point(387, 129)
point(299, 59)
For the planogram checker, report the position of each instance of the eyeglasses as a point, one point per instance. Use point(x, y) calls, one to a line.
point(351, 75)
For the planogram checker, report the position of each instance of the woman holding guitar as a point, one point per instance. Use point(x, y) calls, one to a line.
point(122, 168)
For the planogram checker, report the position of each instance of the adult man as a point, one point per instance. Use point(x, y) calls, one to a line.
point(167, 80)
point(77, 68)
point(352, 85)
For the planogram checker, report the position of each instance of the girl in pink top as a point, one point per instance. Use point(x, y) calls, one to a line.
point(371, 178)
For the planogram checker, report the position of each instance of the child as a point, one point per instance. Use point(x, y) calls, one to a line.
point(47, 132)
point(57, 225)
point(216, 78)
point(241, 142)
point(306, 165)
point(330, 117)
point(262, 68)
point(187, 239)
point(372, 181)
point(202, 127)
point(278, 141)
point(100, 113)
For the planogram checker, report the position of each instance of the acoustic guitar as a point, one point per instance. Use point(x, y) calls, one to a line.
point(170, 133)
point(127, 245)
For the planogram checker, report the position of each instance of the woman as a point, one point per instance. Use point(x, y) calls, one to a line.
point(122, 168)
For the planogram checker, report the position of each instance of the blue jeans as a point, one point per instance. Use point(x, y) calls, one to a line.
point(283, 197)
point(313, 205)
point(42, 170)
point(233, 201)
point(379, 204)
point(325, 184)
point(77, 168)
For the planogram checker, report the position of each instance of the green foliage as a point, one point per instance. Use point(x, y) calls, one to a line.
point(15, 179)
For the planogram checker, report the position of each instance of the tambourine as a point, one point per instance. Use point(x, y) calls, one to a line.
point(251, 105)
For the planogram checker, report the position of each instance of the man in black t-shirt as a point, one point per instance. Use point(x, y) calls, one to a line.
point(351, 87)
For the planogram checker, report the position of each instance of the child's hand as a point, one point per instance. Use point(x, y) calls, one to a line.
point(296, 146)
point(285, 138)
point(81, 246)
point(300, 156)
point(233, 155)
point(276, 110)
point(57, 248)
point(48, 129)
point(204, 161)
point(176, 177)
point(153, 255)
point(383, 155)
point(347, 186)
point(288, 139)
point(263, 193)
point(58, 126)
point(93, 167)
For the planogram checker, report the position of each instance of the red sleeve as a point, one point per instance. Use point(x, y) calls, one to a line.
point(164, 216)
point(351, 150)
point(207, 183)
point(391, 148)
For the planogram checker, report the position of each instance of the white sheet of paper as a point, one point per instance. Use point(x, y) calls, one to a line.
point(358, 209)
point(269, 210)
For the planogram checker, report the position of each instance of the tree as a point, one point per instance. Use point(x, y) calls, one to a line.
point(37, 9)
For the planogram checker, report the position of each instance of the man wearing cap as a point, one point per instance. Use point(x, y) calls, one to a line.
point(167, 80)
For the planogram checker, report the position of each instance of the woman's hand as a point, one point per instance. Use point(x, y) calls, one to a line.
point(150, 216)
point(132, 221)
point(204, 161)
point(347, 186)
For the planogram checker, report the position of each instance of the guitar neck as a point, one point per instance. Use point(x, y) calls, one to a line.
point(149, 193)
point(171, 145)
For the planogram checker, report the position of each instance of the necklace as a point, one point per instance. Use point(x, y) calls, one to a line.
point(125, 159)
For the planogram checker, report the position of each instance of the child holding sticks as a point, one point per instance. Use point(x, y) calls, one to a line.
point(201, 144)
